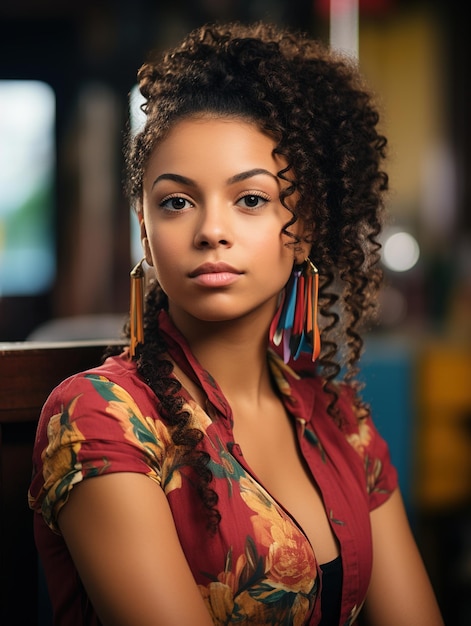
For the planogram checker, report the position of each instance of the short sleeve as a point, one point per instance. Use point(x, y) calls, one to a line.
point(361, 433)
point(88, 427)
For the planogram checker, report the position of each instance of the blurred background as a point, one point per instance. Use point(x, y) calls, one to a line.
point(68, 239)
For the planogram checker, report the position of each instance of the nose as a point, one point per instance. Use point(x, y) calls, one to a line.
point(213, 227)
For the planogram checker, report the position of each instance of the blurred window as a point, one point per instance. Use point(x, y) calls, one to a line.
point(27, 178)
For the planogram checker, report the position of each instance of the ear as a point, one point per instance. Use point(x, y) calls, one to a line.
point(144, 239)
point(301, 252)
point(302, 249)
point(147, 252)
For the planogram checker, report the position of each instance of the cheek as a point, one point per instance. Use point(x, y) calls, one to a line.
point(275, 260)
point(279, 247)
point(170, 263)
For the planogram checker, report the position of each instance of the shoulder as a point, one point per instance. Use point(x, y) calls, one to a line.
point(104, 403)
point(99, 421)
point(343, 425)
point(339, 424)
point(109, 405)
point(312, 396)
point(116, 379)
point(340, 405)
point(370, 448)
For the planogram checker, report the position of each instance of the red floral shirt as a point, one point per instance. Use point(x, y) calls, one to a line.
point(259, 567)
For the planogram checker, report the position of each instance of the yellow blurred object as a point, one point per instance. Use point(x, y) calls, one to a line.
point(444, 436)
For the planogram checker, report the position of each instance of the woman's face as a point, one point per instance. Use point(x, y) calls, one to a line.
point(212, 220)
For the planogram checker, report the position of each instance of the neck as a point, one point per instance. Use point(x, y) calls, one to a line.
point(233, 352)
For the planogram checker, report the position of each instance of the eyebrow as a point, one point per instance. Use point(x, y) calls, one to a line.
point(249, 174)
point(178, 178)
point(184, 180)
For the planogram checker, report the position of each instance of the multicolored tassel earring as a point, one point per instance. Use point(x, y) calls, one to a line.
point(136, 322)
point(295, 323)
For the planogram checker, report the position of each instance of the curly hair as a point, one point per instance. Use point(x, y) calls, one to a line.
point(314, 104)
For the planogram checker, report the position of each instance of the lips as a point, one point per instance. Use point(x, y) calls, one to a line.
point(213, 268)
point(215, 276)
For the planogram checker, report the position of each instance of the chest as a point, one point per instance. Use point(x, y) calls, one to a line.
point(270, 449)
point(274, 523)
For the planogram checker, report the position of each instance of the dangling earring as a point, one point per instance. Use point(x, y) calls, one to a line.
point(136, 321)
point(295, 322)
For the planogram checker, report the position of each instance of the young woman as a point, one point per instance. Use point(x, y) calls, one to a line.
point(219, 470)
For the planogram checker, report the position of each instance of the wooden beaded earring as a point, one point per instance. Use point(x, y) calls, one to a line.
point(137, 307)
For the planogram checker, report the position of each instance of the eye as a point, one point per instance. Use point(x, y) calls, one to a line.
point(175, 203)
point(253, 200)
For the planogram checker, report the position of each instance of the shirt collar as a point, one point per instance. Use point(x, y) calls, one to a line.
point(181, 353)
point(297, 400)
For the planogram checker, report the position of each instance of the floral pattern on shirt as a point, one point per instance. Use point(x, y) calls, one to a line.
point(275, 571)
point(62, 469)
point(259, 567)
point(254, 584)
point(247, 587)
point(360, 442)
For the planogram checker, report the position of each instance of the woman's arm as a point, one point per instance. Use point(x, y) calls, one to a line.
point(122, 538)
point(400, 592)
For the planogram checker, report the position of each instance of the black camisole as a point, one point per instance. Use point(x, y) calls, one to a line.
point(331, 595)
